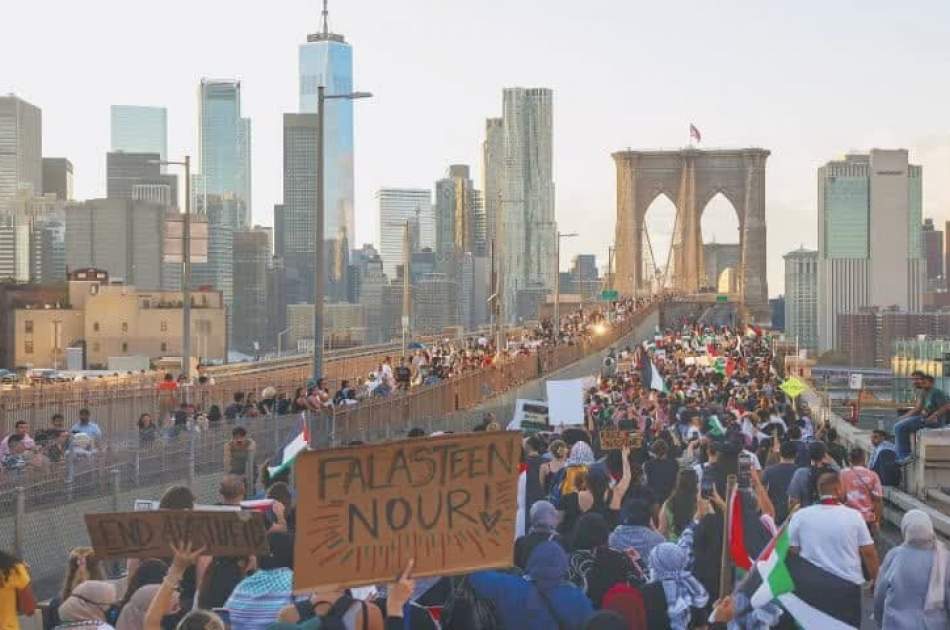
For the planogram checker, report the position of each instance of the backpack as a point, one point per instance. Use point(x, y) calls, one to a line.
point(565, 482)
point(887, 468)
point(333, 619)
point(464, 610)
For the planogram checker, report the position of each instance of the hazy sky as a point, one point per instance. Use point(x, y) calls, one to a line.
point(808, 80)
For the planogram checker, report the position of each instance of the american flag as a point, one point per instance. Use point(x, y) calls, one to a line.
point(694, 133)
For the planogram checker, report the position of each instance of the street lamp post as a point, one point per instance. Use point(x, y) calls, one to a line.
point(320, 284)
point(557, 285)
point(279, 335)
point(185, 268)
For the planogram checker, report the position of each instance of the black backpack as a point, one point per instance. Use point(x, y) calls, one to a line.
point(814, 473)
point(464, 610)
point(887, 468)
point(333, 619)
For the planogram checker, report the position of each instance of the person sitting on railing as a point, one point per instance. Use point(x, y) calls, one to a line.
point(21, 428)
point(87, 426)
point(929, 412)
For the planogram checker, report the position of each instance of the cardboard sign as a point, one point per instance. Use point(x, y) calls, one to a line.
point(614, 440)
point(565, 402)
point(449, 502)
point(150, 534)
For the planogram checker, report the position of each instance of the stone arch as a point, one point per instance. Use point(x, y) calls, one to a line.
point(696, 176)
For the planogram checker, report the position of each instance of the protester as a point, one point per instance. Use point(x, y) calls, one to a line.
point(913, 586)
point(542, 599)
point(534, 491)
point(238, 451)
point(678, 511)
point(81, 565)
point(259, 597)
point(778, 477)
point(16, 591)
point(636, 531)
point(669, 568)
point(593, 566)
point(557, 450)
point(22, 429)
point(803, 488)
point(87, 605)
point(543, 521)
point(832, 536)
point(88, 427)
point(163, 603)
point(148, 572)
point(930, 411)
point(661, 471)
point(148, 430)
point(863, 490)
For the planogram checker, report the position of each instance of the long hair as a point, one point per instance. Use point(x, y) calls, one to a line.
point(82, 566)
point(682, 502)
point(149, 571)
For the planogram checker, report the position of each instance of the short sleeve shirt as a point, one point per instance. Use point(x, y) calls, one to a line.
point(932, 400)
point(831, 536)
point(18, 579)
point(861, 487)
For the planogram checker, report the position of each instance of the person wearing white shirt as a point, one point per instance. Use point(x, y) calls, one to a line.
point(22, 427)
point(833, 536)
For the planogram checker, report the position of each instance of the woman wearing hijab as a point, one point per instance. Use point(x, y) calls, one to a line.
point(543, 598)
point(543, 526)
point(673, 592)
point(258, 599)
point(913, 585)
point(87, 605)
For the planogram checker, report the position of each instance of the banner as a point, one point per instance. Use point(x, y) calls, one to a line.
point(449, 502)
point(565, 402)
point(614, 440)
point(150, 534)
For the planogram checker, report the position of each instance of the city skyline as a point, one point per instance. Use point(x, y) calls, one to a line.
point(735, 97)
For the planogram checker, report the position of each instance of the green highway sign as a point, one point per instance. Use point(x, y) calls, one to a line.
point(722, 298)
point(610, 295)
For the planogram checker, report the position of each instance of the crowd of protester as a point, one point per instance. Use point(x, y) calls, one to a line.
point(175, 416)
point(625, 538)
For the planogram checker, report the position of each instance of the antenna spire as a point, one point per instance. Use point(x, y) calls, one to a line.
point(326, 25)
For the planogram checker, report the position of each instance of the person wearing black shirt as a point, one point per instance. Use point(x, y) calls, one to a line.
point(660, 471)
point(403, 375)
point(778, 477)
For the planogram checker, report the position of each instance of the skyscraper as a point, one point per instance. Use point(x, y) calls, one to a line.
point(933, 253)
point(326, 59)
point(224, 142)
point(58, 178)
point(252, 259)
point(869, 252)
point(293, 219)
point(396, 206)
point(221, 192)
point(21, 148)
point(526, 230)
point(801, 297)
point(139, 129)
point(459, 215)
point(139, 176)
point(493, 163)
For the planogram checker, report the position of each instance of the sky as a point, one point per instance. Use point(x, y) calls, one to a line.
point(807, 80)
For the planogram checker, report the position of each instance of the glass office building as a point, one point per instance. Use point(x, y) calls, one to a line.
point(326, 59)
point(139, 129)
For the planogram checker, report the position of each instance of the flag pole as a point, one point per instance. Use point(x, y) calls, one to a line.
point(725, 563)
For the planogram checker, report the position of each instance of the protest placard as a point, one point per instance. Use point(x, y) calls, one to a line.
point(565, 402)
point(530, 416)
point(449, 502)
point(150, 534)
point(614, 439)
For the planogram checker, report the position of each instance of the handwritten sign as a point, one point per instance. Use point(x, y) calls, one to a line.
point(449, 502)
point(614, 440)
point(150, 534)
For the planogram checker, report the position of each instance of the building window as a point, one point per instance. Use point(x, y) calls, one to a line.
point(28, 326)
point(125, 346)
point(28, 347)
point(95, 326)
point(164, 347)
point(125, 327)
point(164, 326)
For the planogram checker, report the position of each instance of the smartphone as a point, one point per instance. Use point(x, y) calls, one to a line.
point(707, 487)
point(744, 477)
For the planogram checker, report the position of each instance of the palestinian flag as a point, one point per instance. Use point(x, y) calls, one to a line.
point(815, 598)
point(285, 457)
point(650, 376)
point(715, 426)
point(748, 537)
